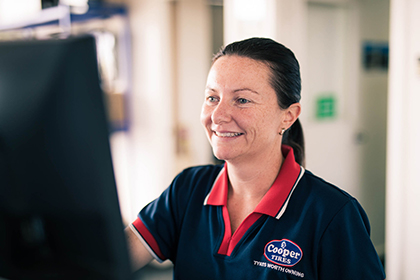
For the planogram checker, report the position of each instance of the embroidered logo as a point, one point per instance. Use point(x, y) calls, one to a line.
point(283, 252)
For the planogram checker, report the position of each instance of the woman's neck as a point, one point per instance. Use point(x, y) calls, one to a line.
point(251, 179)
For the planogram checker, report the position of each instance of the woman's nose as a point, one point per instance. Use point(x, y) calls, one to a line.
point(221, 113)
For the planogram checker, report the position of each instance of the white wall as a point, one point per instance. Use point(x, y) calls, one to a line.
point(332, 70)
point(193, 57)
point(374, 17)
point(171, 54)
point(149, 143)
point(247, 18)
point(403, 154)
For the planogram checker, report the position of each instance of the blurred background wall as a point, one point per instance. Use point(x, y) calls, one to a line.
point(359, 111)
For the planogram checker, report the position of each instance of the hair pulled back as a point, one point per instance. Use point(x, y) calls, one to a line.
point(285, 80)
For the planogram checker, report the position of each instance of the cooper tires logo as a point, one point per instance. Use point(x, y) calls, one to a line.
point(283, 252)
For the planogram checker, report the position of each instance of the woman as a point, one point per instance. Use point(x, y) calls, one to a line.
point(261, 215)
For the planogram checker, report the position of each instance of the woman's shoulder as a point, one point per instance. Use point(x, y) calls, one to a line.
point(323, 194)
point(322, 187)
point(325, 202)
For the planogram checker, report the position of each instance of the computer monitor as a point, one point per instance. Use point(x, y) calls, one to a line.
point(59, 210)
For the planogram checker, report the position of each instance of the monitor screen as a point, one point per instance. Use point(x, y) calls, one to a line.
point(59, 211)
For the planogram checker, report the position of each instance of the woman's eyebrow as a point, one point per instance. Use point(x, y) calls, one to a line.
point(209, 88)
point(235, 91)
point(246, 89)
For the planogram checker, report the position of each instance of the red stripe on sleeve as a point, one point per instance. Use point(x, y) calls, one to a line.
point(148, 237)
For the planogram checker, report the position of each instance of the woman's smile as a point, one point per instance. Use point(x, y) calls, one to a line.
point(227, 134)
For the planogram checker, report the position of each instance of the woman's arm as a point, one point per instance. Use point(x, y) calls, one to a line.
point(139, 255)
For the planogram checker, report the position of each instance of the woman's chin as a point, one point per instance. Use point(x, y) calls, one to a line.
point(220, 155)
point(224, 155)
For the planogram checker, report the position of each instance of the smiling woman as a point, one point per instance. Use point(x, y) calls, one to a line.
point(261, 215)
point(283, 77)
point(241, 114)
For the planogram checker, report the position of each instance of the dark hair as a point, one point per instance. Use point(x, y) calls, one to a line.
point(285, 80)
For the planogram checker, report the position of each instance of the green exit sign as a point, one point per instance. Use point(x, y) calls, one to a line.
point(326, 107)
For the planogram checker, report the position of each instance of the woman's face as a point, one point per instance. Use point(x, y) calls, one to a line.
point(240, 112)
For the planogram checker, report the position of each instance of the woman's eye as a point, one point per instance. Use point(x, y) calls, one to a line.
point(243, 100)
point(211, 99)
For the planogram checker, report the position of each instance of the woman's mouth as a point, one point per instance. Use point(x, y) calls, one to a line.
point(227, 134)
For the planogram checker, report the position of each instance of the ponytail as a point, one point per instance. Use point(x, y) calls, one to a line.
point(293, 137)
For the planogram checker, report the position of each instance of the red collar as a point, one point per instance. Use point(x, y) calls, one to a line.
point(275, 200)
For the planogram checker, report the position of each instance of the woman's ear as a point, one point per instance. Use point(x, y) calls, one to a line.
point(291, 115)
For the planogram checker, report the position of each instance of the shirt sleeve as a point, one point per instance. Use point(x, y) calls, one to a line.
point(346, 250)
point(158, 223)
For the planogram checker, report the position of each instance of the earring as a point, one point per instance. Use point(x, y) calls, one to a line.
point(282, 131)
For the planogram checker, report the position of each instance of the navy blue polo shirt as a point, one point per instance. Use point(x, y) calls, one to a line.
point(303, 228)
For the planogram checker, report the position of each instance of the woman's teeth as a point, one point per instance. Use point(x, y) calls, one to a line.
point(228, 134)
